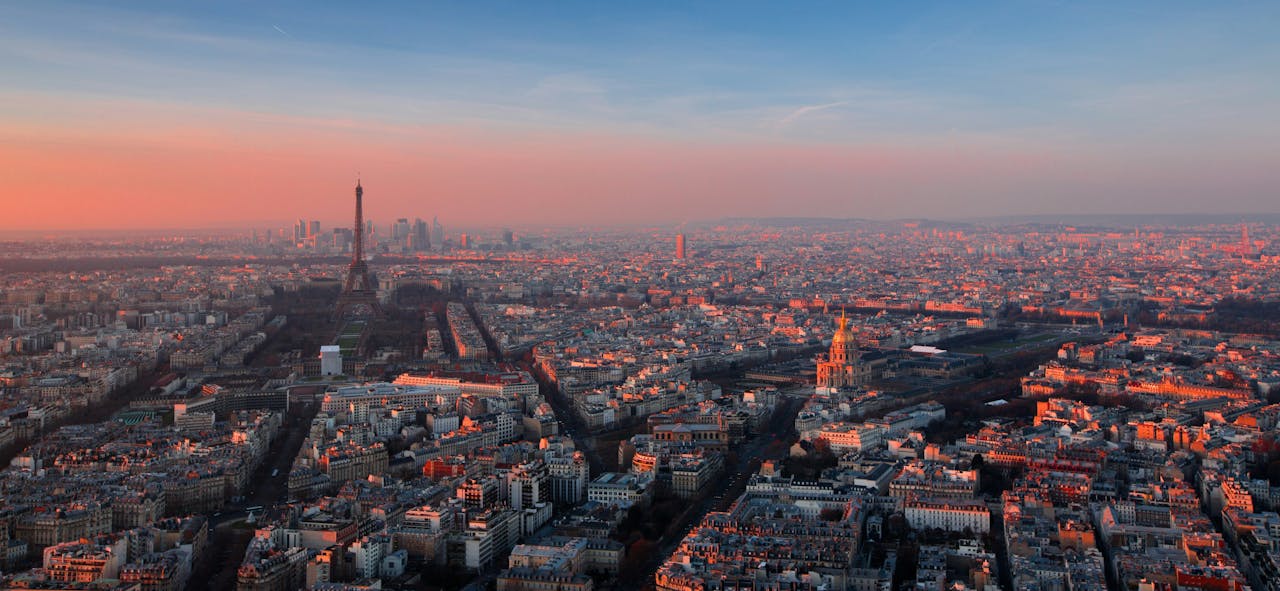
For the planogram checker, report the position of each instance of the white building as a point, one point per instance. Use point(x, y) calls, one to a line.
point(330, 360)
point(367, 554)
point(846, 437)
point(515, 385)
point(488, 535)
point(529, 484)
point(950, 515)
point(622, 490)
point(569, 477)
point(355, 401)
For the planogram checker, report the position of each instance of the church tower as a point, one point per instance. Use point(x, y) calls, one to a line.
point(840, 342)
point(843, 367)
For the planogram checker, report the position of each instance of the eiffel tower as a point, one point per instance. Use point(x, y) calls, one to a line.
point(359, 297)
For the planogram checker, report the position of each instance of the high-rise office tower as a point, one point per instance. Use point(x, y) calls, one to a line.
point(421, 235)
point(680, 246)
point(313, 229)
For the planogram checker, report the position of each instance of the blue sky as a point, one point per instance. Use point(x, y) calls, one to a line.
point(1002, 66)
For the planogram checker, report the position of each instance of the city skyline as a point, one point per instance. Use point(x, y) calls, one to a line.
point(200, 116)
point(663, 296)
point(598, 410)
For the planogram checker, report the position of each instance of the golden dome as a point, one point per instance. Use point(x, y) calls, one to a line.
point(843, 335)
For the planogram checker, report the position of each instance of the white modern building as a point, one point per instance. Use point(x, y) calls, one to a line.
point(355, 401)
point(330, 360)
point(618, 489)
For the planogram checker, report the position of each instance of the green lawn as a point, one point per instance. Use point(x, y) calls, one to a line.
point(349, 338)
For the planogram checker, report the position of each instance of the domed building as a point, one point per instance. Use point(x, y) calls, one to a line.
point(843, 367)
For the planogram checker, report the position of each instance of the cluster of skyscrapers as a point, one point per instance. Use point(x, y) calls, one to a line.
point(401, 236)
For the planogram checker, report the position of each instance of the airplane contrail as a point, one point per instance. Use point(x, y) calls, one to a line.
point(282, 31)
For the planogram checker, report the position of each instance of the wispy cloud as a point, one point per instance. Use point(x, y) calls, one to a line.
point(807, 110)
point(282, 31)
point(568, 84)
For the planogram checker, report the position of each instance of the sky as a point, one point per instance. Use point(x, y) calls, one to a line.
point(245, 114)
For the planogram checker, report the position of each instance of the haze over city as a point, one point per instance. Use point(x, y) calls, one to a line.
point(188, 115)
point(651, 296)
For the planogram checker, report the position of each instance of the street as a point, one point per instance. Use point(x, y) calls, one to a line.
point(229, 535)
point(725, 491)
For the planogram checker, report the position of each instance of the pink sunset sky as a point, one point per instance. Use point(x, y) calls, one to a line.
point(225, 169)
point(115, 119)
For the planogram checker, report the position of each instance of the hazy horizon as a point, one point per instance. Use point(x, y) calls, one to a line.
point(202, 115)
point(1085, 221)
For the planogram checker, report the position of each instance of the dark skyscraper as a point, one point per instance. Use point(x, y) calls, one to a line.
point(421, 236)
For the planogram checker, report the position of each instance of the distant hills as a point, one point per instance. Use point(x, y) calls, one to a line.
point(808, 223)
point(1130, 220)
point(1124, 221)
